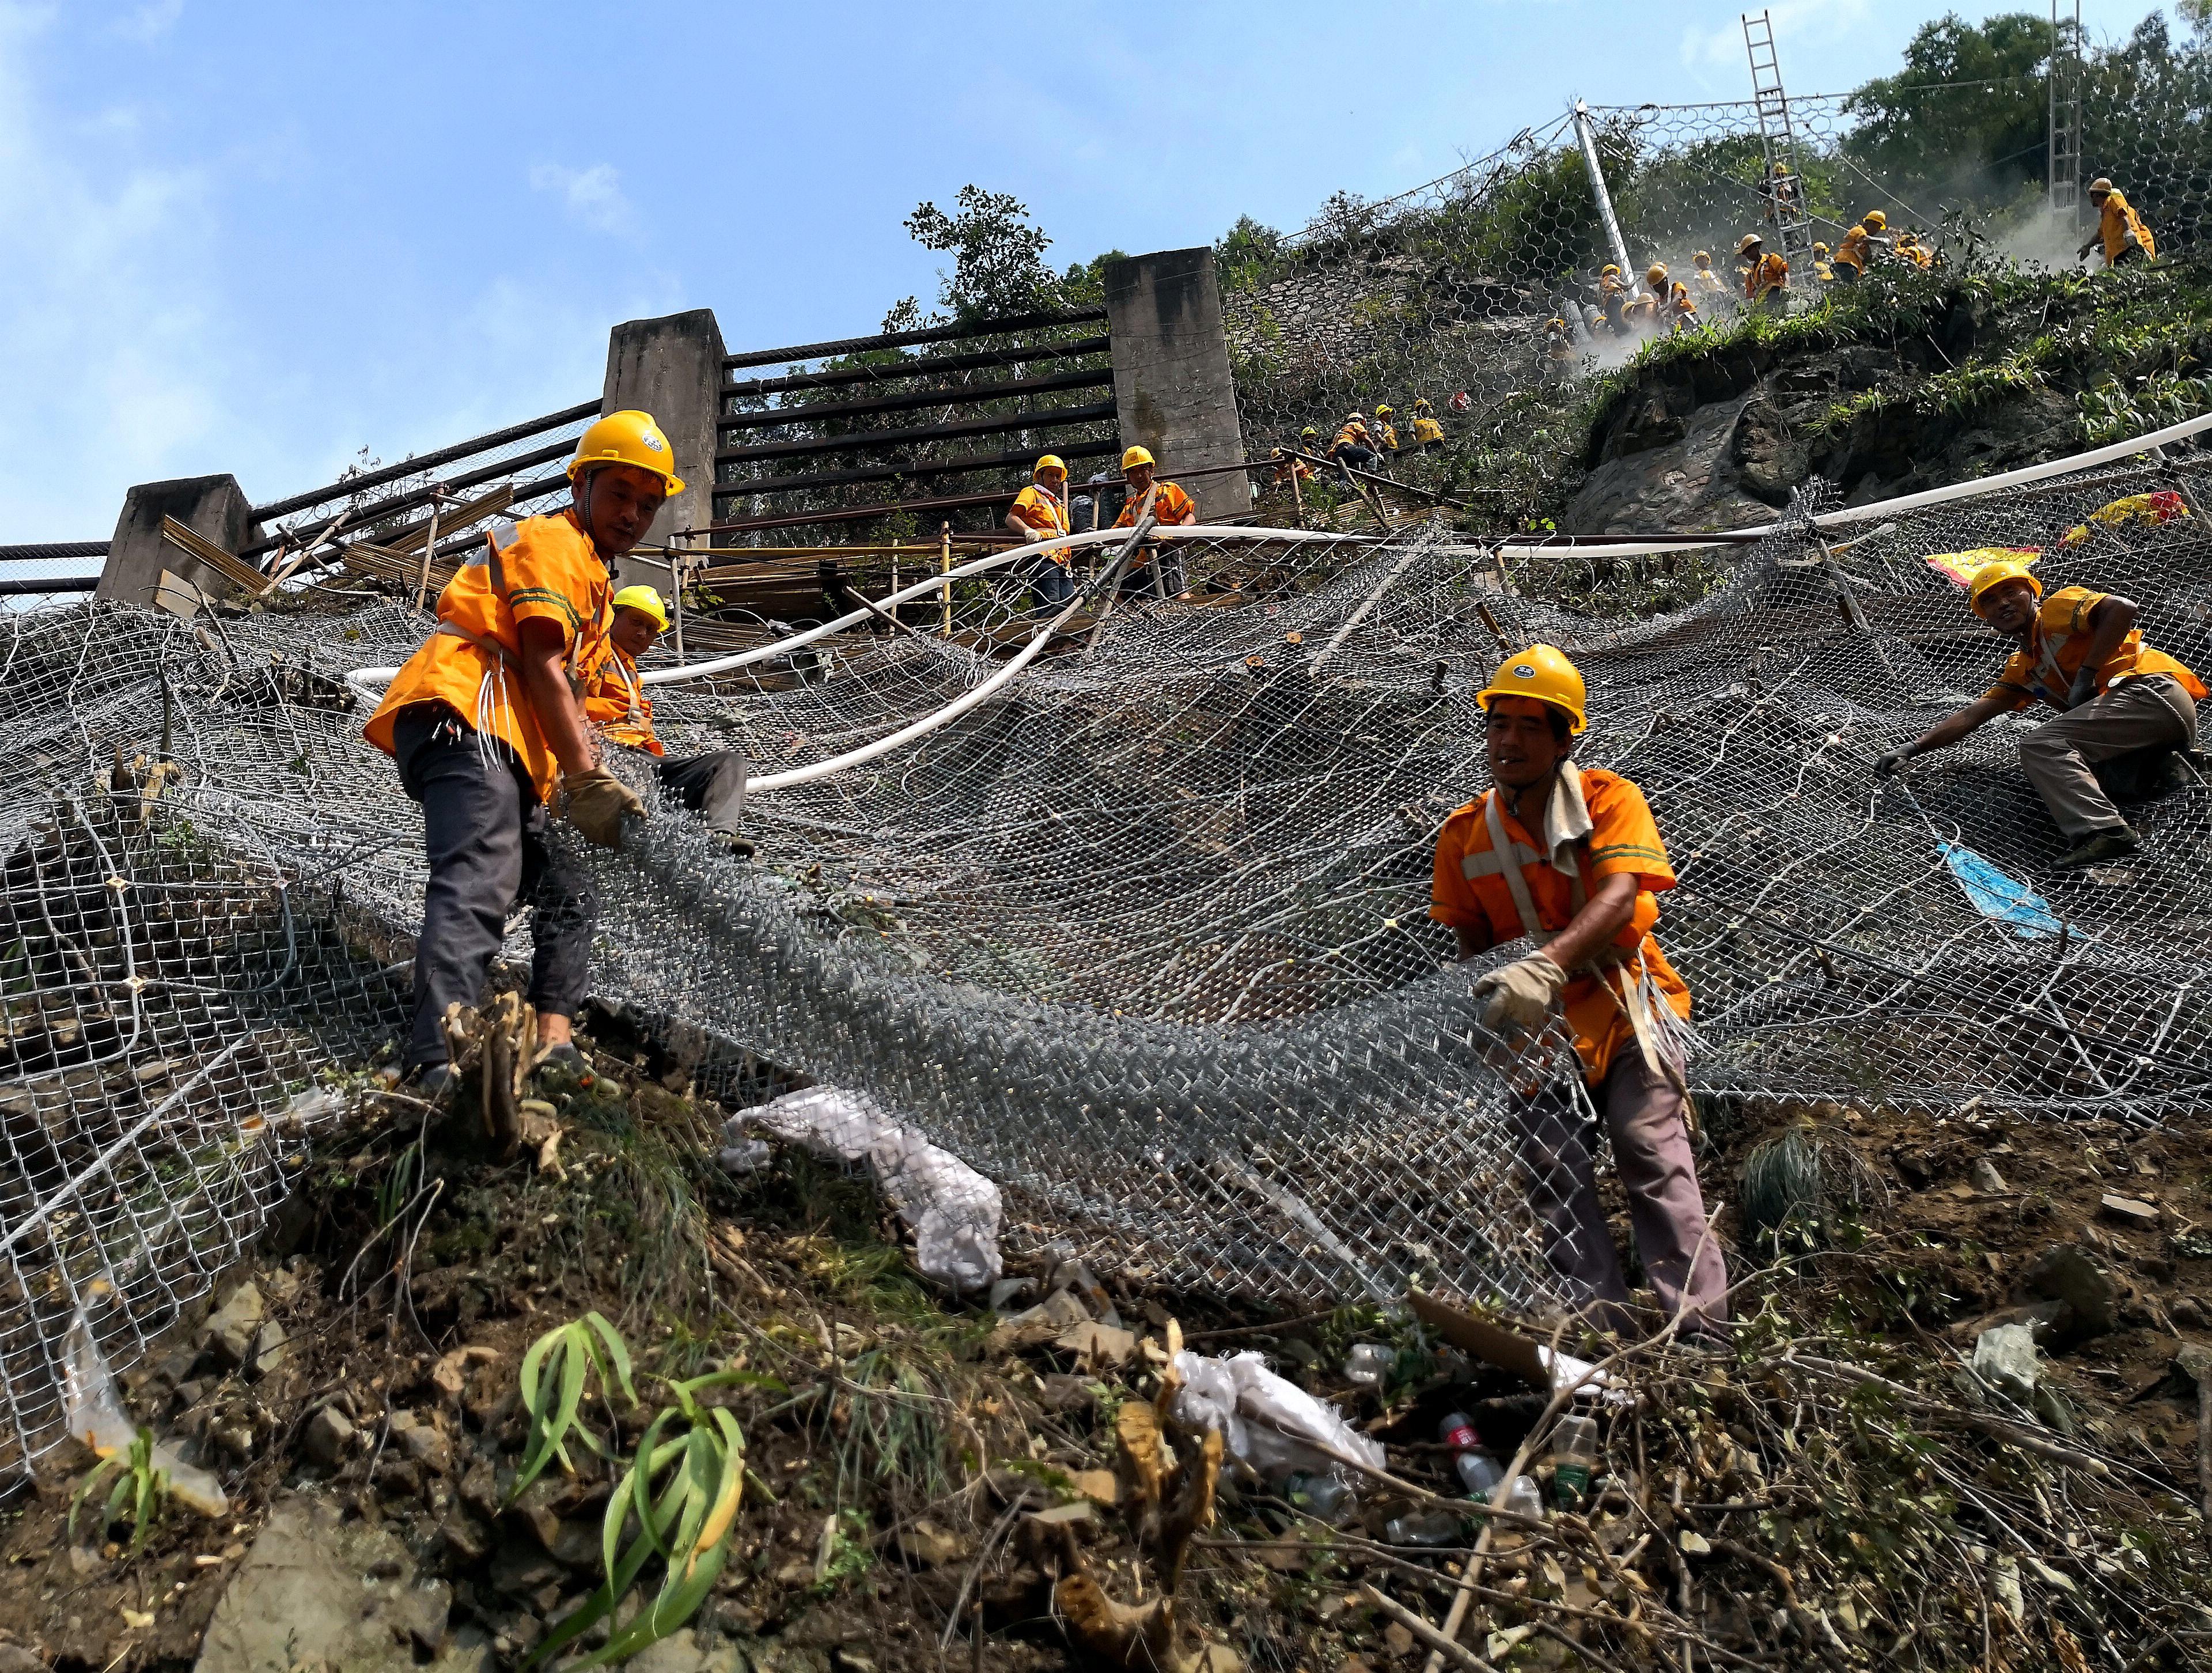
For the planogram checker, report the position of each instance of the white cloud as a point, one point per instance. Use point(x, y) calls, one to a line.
point(110, 313)
point(147, 23)
point(593, 196)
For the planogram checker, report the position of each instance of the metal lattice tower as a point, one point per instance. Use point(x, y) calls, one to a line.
point(1777, 144)
point(2065, 130)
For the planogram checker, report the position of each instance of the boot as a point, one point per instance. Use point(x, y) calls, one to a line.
point(2114, 844)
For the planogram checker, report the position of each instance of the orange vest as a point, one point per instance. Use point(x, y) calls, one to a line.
point(549, 571)
point(1471, 887)
point(2059, 640)
point(615, 703)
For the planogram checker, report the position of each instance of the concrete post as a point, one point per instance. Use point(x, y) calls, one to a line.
point(215, 507)
point(670, 368)
point(1171, 378)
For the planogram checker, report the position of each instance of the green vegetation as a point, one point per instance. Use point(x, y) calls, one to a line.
point(139, 1487)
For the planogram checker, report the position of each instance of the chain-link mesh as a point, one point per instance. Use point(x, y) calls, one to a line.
point(1144, 937)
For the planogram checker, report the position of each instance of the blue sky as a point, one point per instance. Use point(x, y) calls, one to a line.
point(255, 237)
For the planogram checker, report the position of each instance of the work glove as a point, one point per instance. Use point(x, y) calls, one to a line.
point(1887, 766)
point(597, 801)
point(2083, 689)
point(1520, 995)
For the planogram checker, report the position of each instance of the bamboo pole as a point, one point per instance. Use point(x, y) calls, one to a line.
point(429, 546)
point(945, 593)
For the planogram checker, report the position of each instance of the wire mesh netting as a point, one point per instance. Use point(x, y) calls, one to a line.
point(1144, 937)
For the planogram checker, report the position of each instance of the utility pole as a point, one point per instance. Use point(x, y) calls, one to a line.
point(2064, 167)
point(1586, 131)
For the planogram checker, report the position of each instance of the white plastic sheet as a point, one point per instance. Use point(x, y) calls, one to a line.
point(1265, 1423)
point(96, 1417)
point(955, 1211)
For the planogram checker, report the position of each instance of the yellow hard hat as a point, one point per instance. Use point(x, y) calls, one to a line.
point(1996, 573)
point(1558, 325)
point(1655, 274)
point(1307, 430)
point(1612, 270)
point(1384, 412)
point(1819, 249)
point(1782, 168)
point(1050, 462)
point(1542, 672)
point(628, 437)
point(1874, 220)
point(1703, 258)
point(1421, 404)
point(644, 599)
point(1747, 243)
point(2099, 185)
point(1133, 457)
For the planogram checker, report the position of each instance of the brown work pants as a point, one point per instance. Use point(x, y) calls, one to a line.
point(1643, 1110)
point(2151, 710)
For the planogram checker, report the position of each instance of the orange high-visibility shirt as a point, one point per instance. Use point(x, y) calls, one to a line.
point(2117, 221)
point(1470, 892)
point(1169, 505)
point(1769, 272)
point(2058, 638)
point(1042, 512)
point(1353, 435)
point(1708, 280)
point(1854, 251)
point(615, 703)
point(549, 572)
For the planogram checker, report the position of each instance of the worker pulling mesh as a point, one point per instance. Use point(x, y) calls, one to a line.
point(1144, 937)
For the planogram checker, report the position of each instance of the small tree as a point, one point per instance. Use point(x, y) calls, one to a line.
point(998, 257)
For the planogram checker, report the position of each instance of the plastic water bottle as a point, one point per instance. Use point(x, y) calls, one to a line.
point(1574, 1461)
point(1324, 1496)
point(1524, 1497)
point(1424, 1528)
point(1369, 1363)
point(1478, 1471)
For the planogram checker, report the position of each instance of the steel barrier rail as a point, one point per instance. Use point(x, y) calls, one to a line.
point(920, 368)
point(907, 400)
point(429, 461)
point(851, 345)
point(855, 442)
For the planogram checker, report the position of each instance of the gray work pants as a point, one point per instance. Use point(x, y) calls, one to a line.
point(2150, 711)
point(484, 834)
point(1644, 1113)
point(711, 786)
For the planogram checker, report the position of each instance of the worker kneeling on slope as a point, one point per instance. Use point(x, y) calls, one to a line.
point(1569, 857)
point(712, 785)
point(1171, 507)
point(2082, 652)
point(485, 722)
point(1039, 512)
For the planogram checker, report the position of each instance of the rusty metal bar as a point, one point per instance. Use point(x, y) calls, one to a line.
point(907, 400)
point(852, 345)
point(414, 497)
point(860, 441)
point(946, 467)
point(920, 367)
point(429, 461)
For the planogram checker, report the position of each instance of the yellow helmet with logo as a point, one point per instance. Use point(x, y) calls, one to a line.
point(628, 437)
point(1132, 456)
point(1050, 462)
point(645, 600)
point(1996, 573)
point(1873, 220)
point(1542, 672)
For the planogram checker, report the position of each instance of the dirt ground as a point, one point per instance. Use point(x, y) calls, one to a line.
point(924, 1480)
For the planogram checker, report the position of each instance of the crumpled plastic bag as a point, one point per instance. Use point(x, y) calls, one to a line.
point(1265, 1421)
point(96, 1417)
point(955, 1211)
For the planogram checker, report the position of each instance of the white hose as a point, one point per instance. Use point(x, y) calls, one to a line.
point(369, 684)
point(1972, 488)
